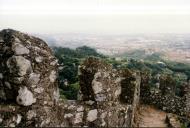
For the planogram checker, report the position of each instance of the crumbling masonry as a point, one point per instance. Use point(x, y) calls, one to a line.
point(29, 94)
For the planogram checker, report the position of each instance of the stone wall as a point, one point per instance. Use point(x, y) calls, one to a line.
point(164, 98)
point(30, 97)
point(29, 94)
point(28, 83)
point(100, 86)
point(130, 94)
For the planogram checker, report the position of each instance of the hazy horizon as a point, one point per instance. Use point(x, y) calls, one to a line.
point(96, 17)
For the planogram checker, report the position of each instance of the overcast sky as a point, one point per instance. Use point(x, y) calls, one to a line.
point(96, 16)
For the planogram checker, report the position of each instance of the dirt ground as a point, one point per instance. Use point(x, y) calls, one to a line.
point(149, 116)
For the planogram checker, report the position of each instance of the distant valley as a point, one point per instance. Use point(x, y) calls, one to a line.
point(175, 47)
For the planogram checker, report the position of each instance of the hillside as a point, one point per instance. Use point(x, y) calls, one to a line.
point(154, 65)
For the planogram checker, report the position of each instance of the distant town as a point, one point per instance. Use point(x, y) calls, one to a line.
point(175, 47)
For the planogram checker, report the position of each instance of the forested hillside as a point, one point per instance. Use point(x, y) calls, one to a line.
point(153, 65)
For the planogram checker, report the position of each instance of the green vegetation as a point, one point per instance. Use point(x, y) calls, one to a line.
point(153, 64)
point(70, 91)
point(179, 73)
